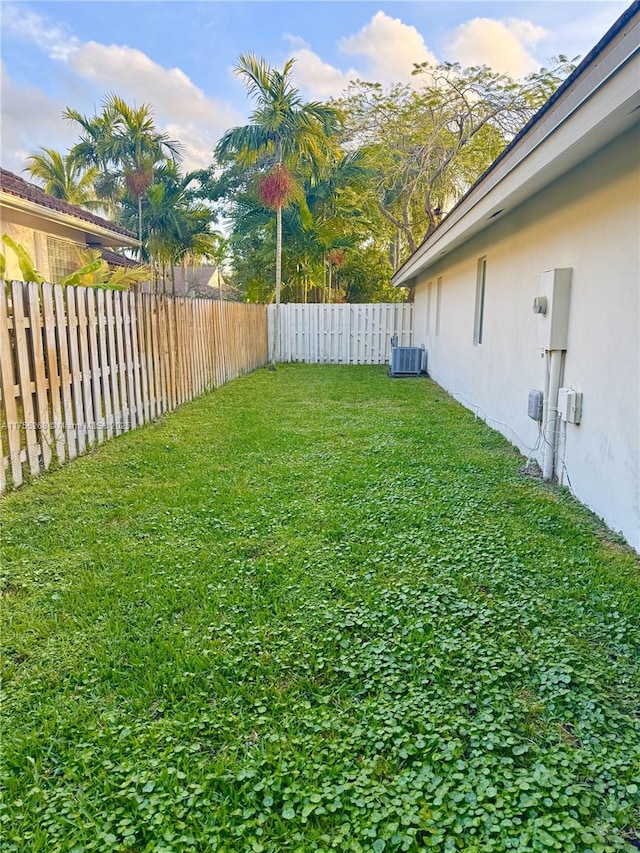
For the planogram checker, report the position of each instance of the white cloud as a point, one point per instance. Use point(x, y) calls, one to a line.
point(386, 50)
point(390, 48)
point(30, 120)
point(317, 78)
point(503, 45)
point(180, 106)
point(55, 40)
point(197, 141)
point(296, 42)
point(528, 32)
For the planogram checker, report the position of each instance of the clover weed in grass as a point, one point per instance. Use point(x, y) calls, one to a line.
point(315, 610)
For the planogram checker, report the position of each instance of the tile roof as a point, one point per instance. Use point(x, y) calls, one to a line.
point(15, 185)
point(116, 260)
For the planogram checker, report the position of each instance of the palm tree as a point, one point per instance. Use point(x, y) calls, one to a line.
point(63, 177)
point(137, 146)
point(176, 226)
point(124, 138)
point(89, 152)
point(282, 130)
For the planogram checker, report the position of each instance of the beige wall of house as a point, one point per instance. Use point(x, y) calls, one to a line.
point(54, 255)
point(51, 237)
point(587, 220)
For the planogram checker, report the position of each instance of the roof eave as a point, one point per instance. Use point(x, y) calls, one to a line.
point(106, 236)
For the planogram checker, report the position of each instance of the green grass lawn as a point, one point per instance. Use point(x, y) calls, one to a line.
point(315, 610)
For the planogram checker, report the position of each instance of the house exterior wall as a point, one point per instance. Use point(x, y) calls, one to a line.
point(588, 220)
point(50, 229)
point(28, 231)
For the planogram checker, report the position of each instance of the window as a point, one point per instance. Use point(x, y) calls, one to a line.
point(429, 296)
point(438, 304)
point(63, 258)
point(481, 282)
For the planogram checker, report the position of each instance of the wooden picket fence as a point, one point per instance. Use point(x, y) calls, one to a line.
point(81, 365)
point(341, 333)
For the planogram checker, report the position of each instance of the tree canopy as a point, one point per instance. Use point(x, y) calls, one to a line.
point(323, 200)
point(125, 167)
point(379, 184)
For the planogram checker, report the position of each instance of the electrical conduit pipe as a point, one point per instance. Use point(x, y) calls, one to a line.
point(551, 417)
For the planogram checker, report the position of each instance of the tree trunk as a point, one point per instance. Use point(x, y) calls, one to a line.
point(276, 315)
point(140, 227)
point(324, 277)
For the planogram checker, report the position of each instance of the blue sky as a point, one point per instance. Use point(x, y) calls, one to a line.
point(179, 55)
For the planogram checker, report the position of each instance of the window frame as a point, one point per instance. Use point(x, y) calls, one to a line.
point(481, 298)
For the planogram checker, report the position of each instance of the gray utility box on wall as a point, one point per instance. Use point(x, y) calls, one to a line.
point(553, 306)
point(536, 399)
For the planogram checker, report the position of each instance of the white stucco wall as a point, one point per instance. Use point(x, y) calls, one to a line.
point(588, 220)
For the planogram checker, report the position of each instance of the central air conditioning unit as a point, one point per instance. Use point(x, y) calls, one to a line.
point(407, 361)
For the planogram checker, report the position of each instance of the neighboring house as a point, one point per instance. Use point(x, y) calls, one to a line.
point(564, 196)
point(51, 230)
point(201, 281)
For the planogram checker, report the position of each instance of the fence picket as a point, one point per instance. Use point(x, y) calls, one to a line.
point(128, 355)
point(152, 307)
point(53, 370)
point(117, 406)
point(135, 356)
point(43, 431)
point(75, 369)
point(66, 379)
point(168, 305)
point(142, 355)
point(85, 367)
point(146, 308)
point(164, 353)
point(20, 326)
point(96, 375)
point(125, 400)
point(105, 369)
point(8, 394)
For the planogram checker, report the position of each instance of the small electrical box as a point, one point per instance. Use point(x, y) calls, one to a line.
point(535, 405)
point(570, 405)
point(540, 304)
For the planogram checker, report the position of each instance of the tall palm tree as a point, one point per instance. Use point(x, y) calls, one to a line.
point(282, 130)
point(137, 146)
point(124, 138)
point(63, 177)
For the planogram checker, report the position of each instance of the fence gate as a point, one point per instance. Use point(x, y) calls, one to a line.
point(341, 334)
